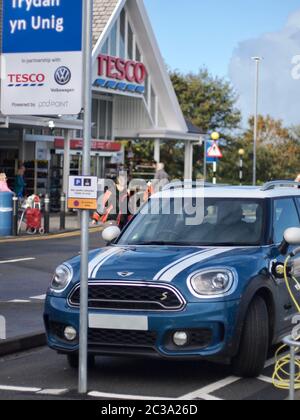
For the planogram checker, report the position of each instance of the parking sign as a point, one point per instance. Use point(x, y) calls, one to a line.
point(41, 62)
point(83, 192)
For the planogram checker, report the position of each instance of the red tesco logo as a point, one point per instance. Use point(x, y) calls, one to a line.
point(119, 69)
point(26, 78)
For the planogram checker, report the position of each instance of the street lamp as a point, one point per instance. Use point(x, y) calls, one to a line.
point(241, 155)
point(257, 62)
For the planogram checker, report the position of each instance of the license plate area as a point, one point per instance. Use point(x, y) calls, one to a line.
point(117, 322)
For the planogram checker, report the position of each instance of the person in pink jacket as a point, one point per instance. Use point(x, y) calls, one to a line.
point(3, 183)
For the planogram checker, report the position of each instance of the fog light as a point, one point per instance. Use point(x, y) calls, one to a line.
point(180, 338)
point(70, 333)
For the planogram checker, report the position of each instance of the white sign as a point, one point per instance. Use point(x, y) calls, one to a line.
point(214, 152)
point(83, 192)
point(41, 64)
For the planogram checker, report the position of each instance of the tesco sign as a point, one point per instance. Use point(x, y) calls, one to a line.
point(26, 78)
point(118, 69)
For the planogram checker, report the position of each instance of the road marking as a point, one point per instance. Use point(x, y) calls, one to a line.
point(41, 297)
point(17, 260)
point(96, 394)
point(47, 238)
point(17, 301)
point(208, 397)
point(265, 379)
point(19, 389)
point(209, 389)
point(53, 391)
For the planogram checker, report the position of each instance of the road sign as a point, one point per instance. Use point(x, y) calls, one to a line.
point(214, 151)
point(82, 192)
point(41, 60)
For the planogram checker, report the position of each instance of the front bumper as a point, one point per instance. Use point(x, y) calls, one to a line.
point(210, 326)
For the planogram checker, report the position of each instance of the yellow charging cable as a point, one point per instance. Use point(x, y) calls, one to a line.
point(281, 376)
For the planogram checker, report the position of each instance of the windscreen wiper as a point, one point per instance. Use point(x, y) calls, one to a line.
point(163, 243)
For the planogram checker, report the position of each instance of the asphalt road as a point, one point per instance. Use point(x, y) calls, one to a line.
point(25, 272)
point(44, 374)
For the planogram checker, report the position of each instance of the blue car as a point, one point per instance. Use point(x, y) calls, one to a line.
point(197, 274)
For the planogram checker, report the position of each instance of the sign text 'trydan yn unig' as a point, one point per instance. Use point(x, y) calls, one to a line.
point(41, 57)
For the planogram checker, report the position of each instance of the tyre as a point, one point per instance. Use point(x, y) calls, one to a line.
point(73, 360)
point(254, 345)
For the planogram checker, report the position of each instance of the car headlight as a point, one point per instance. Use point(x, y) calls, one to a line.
point(212, 283)
point(62, 277)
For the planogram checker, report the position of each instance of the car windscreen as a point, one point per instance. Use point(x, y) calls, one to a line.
point(215, 222)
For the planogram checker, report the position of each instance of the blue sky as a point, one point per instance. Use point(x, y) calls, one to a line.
point(223, 35)
point(205, 32)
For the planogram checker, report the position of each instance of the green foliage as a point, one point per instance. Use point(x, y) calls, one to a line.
point(207, 101)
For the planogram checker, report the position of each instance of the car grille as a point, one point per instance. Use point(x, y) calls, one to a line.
point(121, 338)
point(130, 296)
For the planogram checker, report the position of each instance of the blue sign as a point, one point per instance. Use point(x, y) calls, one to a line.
point(41, 26)
point(208, 158)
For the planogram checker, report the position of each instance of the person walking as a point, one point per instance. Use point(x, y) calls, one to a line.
point(161, 174)
point(20, 183)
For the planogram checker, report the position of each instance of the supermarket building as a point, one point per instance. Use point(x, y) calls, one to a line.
point(133, 98)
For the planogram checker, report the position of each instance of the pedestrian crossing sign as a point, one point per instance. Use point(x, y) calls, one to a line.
point(214, 151)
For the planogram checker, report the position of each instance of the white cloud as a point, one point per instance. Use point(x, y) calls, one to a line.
point(279, 91)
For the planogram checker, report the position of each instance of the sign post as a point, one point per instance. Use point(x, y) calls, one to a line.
point(41, 61)
point(214, 153)
point(86, 168)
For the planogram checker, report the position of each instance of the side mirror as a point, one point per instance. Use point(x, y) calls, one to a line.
point(111, 233)
point(291, 237)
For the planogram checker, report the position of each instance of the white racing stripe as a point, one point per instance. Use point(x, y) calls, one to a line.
point(98, 261)
point(168, 267)
point(17, 260)
point(169, 275)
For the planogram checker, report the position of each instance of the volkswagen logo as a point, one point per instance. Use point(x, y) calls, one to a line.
point(63, 75)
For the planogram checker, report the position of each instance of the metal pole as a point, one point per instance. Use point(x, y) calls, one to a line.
point(241, 171)
point(257, 61)
point(15, 215)
point(47, 214)
point(215, 172)
point(86, 168)
point(292, 373)
point(62, 212)
point(205, 160)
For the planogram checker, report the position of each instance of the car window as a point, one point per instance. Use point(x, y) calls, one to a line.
point(221, 222)
point(285, 217)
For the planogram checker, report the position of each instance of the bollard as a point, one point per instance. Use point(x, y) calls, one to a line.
point(15, 229)
point(63, 212)
point(47, 214)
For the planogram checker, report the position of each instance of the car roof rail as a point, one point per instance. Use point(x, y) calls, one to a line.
point(279, 184)
point(189, 184)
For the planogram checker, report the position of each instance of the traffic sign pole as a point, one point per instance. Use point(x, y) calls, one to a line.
point(87, 83)
point(215, 172)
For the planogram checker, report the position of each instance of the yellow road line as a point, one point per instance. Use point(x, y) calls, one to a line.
point(48, 237)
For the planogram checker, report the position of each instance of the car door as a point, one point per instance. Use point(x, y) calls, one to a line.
point(285, 216)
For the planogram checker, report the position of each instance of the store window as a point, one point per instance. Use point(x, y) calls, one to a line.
point(103, 117)
point(113, 41)
point(138, 55)
point(105, 48)
point(122, 33)
point(130, 42)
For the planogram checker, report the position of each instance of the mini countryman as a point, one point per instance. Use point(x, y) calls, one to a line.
point(175, 289)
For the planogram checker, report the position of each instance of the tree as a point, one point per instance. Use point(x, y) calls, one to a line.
point(207, 101)
point(278, 154)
